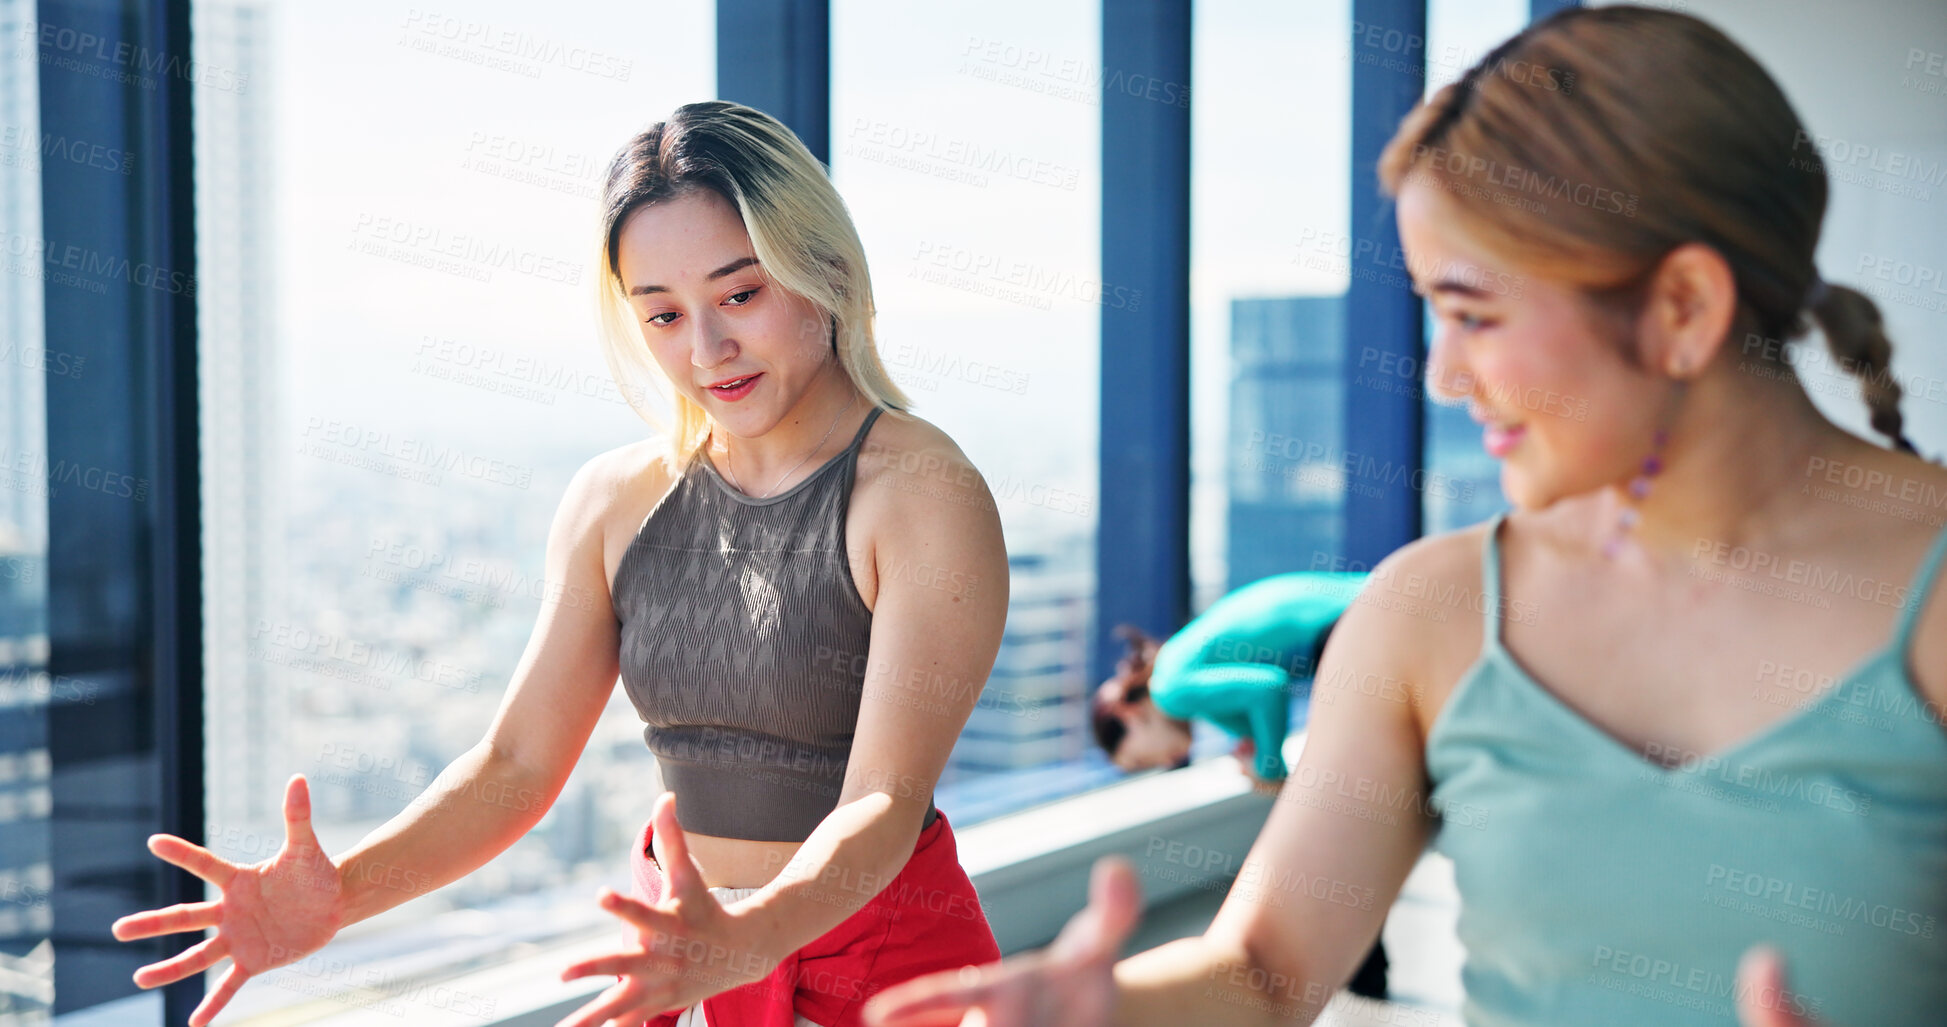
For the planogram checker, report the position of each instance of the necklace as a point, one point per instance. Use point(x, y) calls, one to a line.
point(800, 463)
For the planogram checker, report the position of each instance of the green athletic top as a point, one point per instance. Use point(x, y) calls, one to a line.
point(1599, 888)
point(1239, 662)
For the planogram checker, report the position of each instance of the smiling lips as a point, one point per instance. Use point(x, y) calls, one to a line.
point(734, 388)
point(1500, 440)
point(1499, 437)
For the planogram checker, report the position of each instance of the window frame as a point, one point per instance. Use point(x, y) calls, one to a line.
point(137, 410)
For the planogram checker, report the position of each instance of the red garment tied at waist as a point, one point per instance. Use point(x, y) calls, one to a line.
point(927, 918)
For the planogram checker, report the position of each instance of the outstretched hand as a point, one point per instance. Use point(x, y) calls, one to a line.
point(690, 946)
point(271, 913)
point(1069, 984)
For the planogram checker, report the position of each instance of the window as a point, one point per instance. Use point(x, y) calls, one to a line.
point(1270, 259)
point(1463, 482)
point(965, 140)
point(399, 374)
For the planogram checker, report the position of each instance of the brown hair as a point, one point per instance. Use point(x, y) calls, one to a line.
point(799, 229)
point(1599, 139)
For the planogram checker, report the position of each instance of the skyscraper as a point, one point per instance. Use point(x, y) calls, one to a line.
point(1286, 458)
point(1033, 708)
point(247, 700)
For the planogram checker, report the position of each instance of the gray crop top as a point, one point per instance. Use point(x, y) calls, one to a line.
point(743, 647)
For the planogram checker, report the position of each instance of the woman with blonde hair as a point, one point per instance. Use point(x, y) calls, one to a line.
point(1705, 775)
point(748, 576)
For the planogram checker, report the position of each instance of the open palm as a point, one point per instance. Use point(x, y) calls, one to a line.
point(273, 912)
point(1070, 984)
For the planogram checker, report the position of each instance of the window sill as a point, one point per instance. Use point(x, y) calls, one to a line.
point(1031, 868)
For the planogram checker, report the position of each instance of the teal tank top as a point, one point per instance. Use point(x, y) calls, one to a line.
point(1598, 888)
point(1240, 663)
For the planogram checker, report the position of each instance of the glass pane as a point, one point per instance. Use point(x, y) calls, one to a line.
point(1270, 261)
point(400, 372)
point(26, 690)
point(1459, 33)
point(966, 142)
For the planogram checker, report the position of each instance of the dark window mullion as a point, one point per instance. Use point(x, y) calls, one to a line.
point(124, 564)
point(1142, 535)
point(776, 56)
point(1383, 431)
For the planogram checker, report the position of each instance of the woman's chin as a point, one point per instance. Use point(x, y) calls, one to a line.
point(1526, 491)
point(739, 420)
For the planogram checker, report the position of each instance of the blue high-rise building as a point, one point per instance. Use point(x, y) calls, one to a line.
point(1286, 454)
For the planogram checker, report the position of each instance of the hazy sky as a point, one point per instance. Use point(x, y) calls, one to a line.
point(965, 141)
point(379, 141)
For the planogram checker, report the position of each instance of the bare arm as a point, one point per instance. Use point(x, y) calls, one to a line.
point(279, 910)
point(941, 567)
point(495, 792)
point(1348, 826)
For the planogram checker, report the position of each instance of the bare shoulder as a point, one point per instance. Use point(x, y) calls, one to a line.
point(1416, 624)
point(908, 464)
point(1898, 503)
point(1881, 512)
point(611, 478)
point(612, 492)
point(921, 511)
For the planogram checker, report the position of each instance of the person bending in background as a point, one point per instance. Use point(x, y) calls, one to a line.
point(772, 637)
point(1237, 665)
point(1678, 723)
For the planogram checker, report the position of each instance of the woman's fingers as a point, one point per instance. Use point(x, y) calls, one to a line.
point(193, 858)
point(1114, 905)
point(639, 915)
point(214, 1002)
point(681, 878)
point(1031, 990)
point(297, 812)
point(184, 916)
point(1763, 999)
point(937, 999)
point(1013, 1005)
point(193, 960)
point(906, 1008)
point(614, 964)
point(603, 1007)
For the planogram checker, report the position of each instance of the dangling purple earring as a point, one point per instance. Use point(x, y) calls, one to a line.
point(1639, 490)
